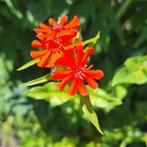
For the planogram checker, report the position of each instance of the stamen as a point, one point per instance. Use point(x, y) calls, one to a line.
point(78, 72)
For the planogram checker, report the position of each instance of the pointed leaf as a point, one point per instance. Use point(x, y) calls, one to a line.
point(38, 80)
point(90, 113)
point(28, 64)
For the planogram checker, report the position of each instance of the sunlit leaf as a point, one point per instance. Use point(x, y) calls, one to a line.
point(133, 71)
point(102, 99)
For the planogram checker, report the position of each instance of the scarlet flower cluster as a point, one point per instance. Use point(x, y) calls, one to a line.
point(60, 47)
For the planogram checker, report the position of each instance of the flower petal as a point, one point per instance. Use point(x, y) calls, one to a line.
point(73, 45)
point(63, 20)
point(92, 83)
point(37, 54)
point(36, 44)
point(58, 74)
point(80, 54)
point(74, 23)
point(96, 74)
point(68, 34)
point(73, 87)
point(82, 89)
point(44, 60)
point(87, 53)
point(40, 35)
point(52, 22)
point(43, 26)
point(53, 59)
point(63, 83)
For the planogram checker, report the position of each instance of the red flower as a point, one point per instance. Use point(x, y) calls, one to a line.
point(76, 72)
point(52, 52)
point(54, 40)
point(59, 27)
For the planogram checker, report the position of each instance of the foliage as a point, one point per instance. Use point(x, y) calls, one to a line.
point(120, 102)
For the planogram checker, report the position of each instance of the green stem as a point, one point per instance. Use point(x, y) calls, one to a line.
point(92, 40)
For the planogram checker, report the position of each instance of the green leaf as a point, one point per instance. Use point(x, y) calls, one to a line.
point(120, 91)
point(142, 37)
point(94, 40)
point(138, 62)
point(38, 80)
point(100, 98)
point(123, 8)
point(15, 11)
point(49, 92)
point(90, 113)
point(133, 72)
point(28, 64)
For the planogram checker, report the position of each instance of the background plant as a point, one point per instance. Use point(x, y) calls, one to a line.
point(121, 101)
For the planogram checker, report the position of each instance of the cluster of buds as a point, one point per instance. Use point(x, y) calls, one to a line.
point(61, 48)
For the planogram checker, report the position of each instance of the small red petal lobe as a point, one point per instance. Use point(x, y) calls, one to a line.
point(52, 22)
point(43, 26)
point(36, 44)
point(63, 20)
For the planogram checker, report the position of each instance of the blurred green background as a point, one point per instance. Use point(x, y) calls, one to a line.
point(46, 117)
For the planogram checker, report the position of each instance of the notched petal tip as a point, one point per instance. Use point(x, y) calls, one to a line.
point(52, 22)
point(63, 20)
point(35, 44)
point(100, 74)
point(37, 54)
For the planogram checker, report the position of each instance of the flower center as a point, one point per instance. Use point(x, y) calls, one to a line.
point(54, 46)
point(78, 72)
